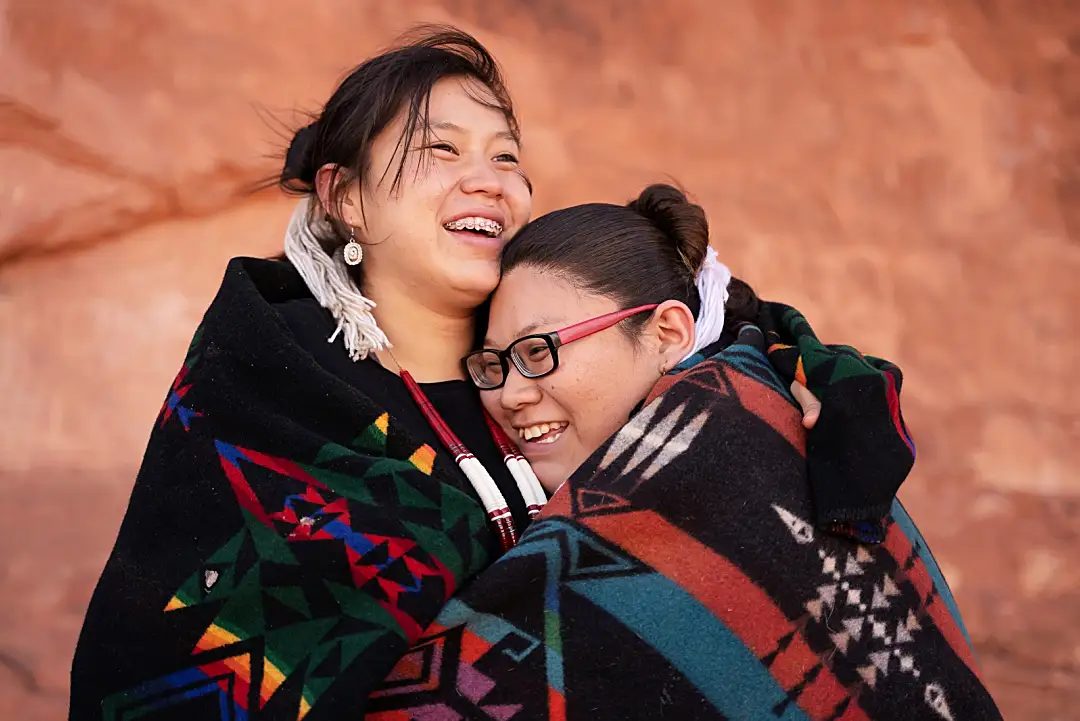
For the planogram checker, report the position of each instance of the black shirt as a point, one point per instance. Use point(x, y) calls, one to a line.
point(458, 402)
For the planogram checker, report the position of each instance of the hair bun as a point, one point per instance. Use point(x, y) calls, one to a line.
point(682, 221)
point(298, 158)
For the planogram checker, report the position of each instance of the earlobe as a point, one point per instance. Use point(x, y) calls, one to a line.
point(674, 328)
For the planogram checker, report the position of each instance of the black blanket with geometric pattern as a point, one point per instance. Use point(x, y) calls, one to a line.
point(286, 540)
point(678, 575)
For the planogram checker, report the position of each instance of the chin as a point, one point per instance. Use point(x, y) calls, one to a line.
point(477, 280)
point(550, 478)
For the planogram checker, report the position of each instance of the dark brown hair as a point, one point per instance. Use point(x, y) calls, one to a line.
point(369, 99)
point(648, 251)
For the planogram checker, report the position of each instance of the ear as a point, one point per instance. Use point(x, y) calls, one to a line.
point(672, 331)
point(326, 180)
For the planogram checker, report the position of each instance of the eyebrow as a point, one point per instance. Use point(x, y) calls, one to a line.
point(524, 331)
point(505, 134)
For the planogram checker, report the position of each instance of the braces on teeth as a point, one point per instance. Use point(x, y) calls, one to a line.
point(482, 224)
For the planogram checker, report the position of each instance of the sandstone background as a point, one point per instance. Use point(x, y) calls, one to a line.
point(907, 173)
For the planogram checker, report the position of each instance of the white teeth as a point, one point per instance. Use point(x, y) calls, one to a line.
point(485, 225)
point(530, 432)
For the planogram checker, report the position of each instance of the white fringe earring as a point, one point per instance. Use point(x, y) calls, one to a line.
point(327, 277)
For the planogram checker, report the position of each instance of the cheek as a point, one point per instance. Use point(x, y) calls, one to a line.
point(407, 225)
point(490, 401)
point(520, 200)
point(598, 399)
point(417, 200)
point(438, 179)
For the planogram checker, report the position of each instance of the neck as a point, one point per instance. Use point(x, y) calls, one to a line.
point(428, 343)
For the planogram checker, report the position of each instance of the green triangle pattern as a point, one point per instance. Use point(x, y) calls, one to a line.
point(343, 484)
point(353, 646)
point(456, 504)
point(388, 467)
point(358, 604)
point(292, 597)
point(316, 687)
point(410, 497)
point(848, 367)
point(242, 614)
point(286, 648)
point(371, 440)
point(191, 592)
point(268, 544)
point(332, 452)
point(436, 544)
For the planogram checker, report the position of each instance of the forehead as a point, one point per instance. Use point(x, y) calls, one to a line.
point(531, 301)
point(464, 106)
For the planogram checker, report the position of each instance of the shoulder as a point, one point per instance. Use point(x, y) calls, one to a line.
point(274, 279)
point(275, 283)
point(306, 319)
point(245, 317)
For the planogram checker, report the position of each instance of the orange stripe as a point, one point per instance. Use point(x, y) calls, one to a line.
point(272, 680)
point(719, 586)
point(424, 459)
point(709, 577)
point(800, 372)
point(216, 637)
point(899, 546)
point(853, 712)
point(821, 698)
point(771, 407)
point(792, 663)
point(559, 505)
point(473, 647)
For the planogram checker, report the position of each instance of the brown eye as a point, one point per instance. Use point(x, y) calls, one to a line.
point(443, 147)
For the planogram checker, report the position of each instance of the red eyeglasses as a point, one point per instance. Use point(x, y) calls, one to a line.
point(537, 355)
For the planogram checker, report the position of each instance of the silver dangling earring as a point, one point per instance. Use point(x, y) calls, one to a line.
point(354, 252)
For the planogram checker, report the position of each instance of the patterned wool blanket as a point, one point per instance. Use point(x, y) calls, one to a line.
point(286, 540)
point(678, 573)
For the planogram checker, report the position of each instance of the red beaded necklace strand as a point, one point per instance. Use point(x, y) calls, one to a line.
point(498, 512)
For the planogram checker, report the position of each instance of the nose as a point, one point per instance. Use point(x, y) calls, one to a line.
point(482, 177)
point(518, 391)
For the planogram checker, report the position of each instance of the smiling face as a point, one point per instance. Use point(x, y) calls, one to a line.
point(462, 195)
point(560, 419)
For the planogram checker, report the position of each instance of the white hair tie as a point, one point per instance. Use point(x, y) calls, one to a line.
point(327, 277)
point(712, 284)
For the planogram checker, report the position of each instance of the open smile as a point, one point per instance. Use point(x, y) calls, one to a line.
point(542, 433)
point(477, 231)
point(475, 225)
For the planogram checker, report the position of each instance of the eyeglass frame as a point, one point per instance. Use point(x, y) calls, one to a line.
point(555, 340)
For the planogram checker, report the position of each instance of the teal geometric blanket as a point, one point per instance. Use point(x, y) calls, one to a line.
point(678, 575)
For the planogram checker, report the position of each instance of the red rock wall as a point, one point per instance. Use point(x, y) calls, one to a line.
point(908, 174)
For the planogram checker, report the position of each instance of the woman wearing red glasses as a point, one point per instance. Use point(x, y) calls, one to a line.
point(702, 556)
